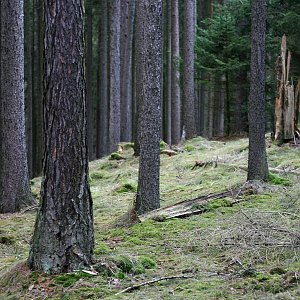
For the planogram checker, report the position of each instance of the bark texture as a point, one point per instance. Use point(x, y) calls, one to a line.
point(102, 84)
point(149, 68)
point(128, 14)
point(63, 237)
point(175, 75)
point(114, 74)
point(89, 79)
point(188, 96)
point(257, 161)
point(14, 180)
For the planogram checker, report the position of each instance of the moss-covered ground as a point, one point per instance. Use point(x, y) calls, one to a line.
point(245, 251)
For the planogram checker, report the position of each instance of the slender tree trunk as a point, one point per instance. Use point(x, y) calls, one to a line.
point(63, 237)
point(89, 78)
point(38, 99)
point(29, 27)
point(114, 74)
point(175, 75)
point(167, 84)
point(126, 70)
point(149, 68)
point(188, 69)
point(14, 178)
point(103, 104)
point(257, 161)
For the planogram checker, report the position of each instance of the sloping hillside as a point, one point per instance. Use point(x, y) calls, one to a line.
point(244, 251)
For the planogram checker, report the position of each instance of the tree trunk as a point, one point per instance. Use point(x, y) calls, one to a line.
point(149, 68)
point(29, 46)
point(14, 178)
point(175, 75)
point(63, 237)
point(114, 75)
point(188, 69)
point(257, 161)
point(167, 85)
point(126, 70)
point(38, 135)
point(102, 84)
point(89, 78)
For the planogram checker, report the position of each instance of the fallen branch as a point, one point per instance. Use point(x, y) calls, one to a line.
point(137, 286)
point(195, 206)
point(204, 164)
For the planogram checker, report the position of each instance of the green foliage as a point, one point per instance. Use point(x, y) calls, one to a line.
point(277, 180)
point(162, 145)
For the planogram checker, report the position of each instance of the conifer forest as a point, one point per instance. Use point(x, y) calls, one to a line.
point(149, 149)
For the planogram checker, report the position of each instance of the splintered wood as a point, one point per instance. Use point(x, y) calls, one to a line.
point(286, 104)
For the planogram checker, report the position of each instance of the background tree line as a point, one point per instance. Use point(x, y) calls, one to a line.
point(210, 100)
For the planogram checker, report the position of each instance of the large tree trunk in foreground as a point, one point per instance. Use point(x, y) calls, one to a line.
point(14, 180)
point(257, 161)
point(149, 68)
point(63, 238)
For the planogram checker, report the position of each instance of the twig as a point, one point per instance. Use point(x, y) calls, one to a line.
point(137, 286)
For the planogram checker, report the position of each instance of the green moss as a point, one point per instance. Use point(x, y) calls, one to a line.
point(116, 156)
point(162, 145)
point(97, 175)
point(7, 240)
point(189, 148)
point(129, 265)
point(102, 248)
point(67, 280)
point(127, 146)
point(126, 188)
point(277, 180)
point(147, 262)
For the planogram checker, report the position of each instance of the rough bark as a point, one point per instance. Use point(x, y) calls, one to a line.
point(149, 68)
point(257, 160)
point(14, 179)
point(175, 74)
point(188, 69)
point(38, 135)
point(167, 61)
point(128, 14)
point(102, 84)
point(29, 46)
point(114, 74)
point(63, 236)
point(89, 78)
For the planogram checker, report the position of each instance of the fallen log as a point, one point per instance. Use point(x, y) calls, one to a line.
point(195, 206)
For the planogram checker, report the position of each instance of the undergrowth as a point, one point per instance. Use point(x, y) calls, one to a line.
point(244, 251)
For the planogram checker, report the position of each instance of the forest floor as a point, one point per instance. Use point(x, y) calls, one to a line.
point(244, 251)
